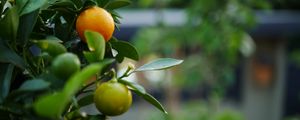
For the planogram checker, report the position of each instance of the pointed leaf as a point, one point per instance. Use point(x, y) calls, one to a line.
point(159, 64)
point(6, 71)
point(26, 25)
point(88, 3)
point(78, 79)
point(9, 56)
point(9, 24)
point(151, 100)
point(102, 3)
point(125, 49)
point(51, 106)
point(115, 14)
point(117, 4)
point(51, 37)
point(96, 43)
point(90, 56)
point(64, 4)
point(34, 85)
point(78, 3)
point(21, 4)
point(133, 85)
point(86, 100)
point(52, 47)
point(117, 21)
point(120, 58)
point(32, 5)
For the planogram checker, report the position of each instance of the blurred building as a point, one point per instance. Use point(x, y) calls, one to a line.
point(266, 92)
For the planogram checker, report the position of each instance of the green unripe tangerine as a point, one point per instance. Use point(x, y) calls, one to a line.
point(112, 98)
point(65, 65)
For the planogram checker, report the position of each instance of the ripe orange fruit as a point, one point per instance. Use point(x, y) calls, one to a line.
point(96, 19)
point(112, 98)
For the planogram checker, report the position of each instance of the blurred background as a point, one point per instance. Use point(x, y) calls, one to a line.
point(242, 58)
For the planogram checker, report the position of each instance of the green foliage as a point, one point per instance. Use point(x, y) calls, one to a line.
point(124, 49)
point(159, 64)
point(117, 4)
point(133, 85)
point(52, 47)
point(96, 45)
point(26, 25)
point(210, 39)
point(28, 6)
point(150, 99)
point(10, 23)
point(50, 106)
point(86, 100)
point(34, 85)
point(140, 91)
point(9, 56)
point(6, 76)
point(39, 38)
point(202, 108)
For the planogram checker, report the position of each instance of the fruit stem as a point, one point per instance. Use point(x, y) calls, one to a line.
point(127, 72)
point(114, 76)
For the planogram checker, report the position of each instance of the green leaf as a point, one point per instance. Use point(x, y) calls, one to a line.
point(115, 14)
point(51, 106)
point(151, 100)
point(75, 114)
point(9, 56)
point(78, 3)
point(119, 58)
point(76, 81)
point(117, 4)
point(159, 64)
point(6, 71)
point(15, 95)
point(133, 85)
point(116, 20)
point(52, 47)
point(102, 3)
point(51, 37)
point(96, 43)
point(10, 24)
point(86, 100)
point(21, 4)
point(89, 3)
point(64, 4)
point(34, 85)
point(26, 25)
point(124, 49)
point(90, 56)
point(31, 5)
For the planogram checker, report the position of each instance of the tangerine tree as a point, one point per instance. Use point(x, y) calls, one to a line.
point(57, 56)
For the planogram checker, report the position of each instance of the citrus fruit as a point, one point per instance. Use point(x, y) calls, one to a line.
point(96, 19)
point(112, 98)
point(65, 65)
